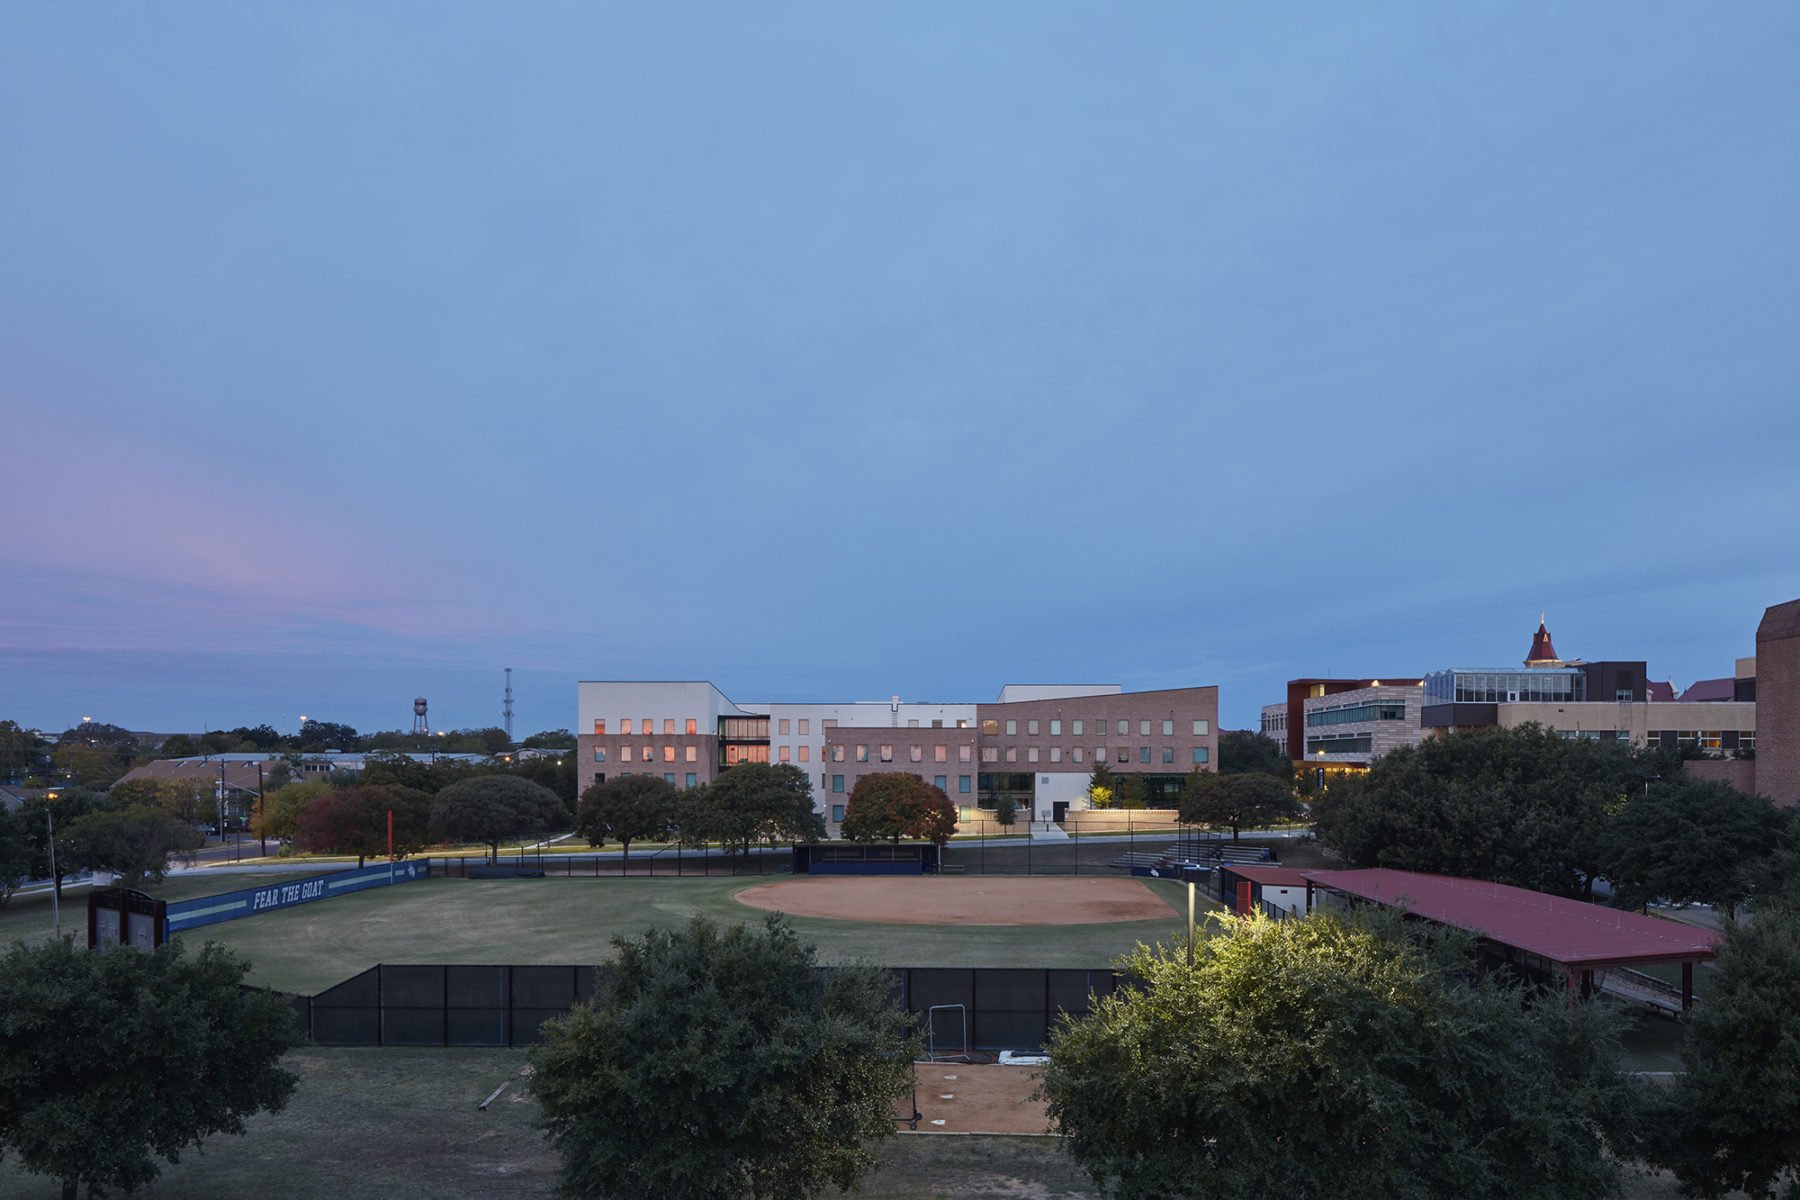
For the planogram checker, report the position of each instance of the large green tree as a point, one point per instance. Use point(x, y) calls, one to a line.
point(626, 808)
point(279, 813)
point(755, 803)
point(1731, 1122)
point(95, 753)
point(894, 805)
point(1244, 751)
point(15, 852)
point(57, 812)
point(21, 752)
point(1336, 1056)
point(1523, 806)
point(1103, 786)
point(550, 739)
point(1689, 841)
point(1252, 799)
point(113, 1059)
point(355, 821)
point(134, 843)
point(495, 808)
point(717, 1063)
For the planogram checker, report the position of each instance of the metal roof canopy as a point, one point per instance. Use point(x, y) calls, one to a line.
point(1573, 934)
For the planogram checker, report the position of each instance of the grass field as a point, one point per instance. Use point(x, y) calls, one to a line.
point(29, 918)
point(312, 946)
point(402, 1124)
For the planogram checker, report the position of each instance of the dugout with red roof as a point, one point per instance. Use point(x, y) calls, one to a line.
point(1575, 937)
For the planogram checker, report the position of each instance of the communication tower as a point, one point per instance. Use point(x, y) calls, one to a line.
point(507, 711)
point(420, 724)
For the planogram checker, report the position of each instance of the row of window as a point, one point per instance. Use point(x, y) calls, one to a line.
point(991, 728)
point(648, 753)
point(991, 754)
point(1356, 714)
point(1342, 744)
point(1506, 687)
point(668, 776)
point(648, 725)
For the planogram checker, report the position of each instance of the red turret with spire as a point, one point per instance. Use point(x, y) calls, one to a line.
point(1542, 652)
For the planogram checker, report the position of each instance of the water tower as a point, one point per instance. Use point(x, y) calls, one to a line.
point(420, 724)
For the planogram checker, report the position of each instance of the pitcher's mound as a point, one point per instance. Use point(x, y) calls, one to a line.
point(934, 900)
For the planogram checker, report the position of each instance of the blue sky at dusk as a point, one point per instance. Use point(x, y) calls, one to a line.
point(350, 353)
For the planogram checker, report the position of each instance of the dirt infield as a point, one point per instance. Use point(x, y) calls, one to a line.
point(934, 900)
point(969, 1098)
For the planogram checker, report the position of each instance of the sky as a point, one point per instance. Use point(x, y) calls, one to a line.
point(351, 353)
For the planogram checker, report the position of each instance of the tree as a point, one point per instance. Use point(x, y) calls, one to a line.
point(1732, 1120)
point(112, 1059)
point(95, 753)
point(1103, 787)
point(133, 843)
point(278, 815)
point(626, 808)
point(1522, 806)
point(550, 739)
point(15, 853)
point(494, 808)
point(556, 773)
point(722, 1062)
point(1336, 1056)
point(1687, 841)
point(760, 802)
point(261, 737)
point(42, 814)
point(326, 735)
point(178, 745)
point(1132, 792)
point(1251, 799)
point(890, 806)
point(21, 752)
point(355, 821)
point(1246, 752)
point(1006, 810)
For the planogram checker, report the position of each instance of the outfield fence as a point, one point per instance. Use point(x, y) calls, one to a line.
point(457, 1005)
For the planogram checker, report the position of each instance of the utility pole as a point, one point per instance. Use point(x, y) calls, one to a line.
point(261, 830)
point(507, 711)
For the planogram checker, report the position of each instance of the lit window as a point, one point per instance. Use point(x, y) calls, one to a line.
point(1168, 729)
point(1056, 754)
point(784, 754)
point(625, 725)
point(1201, 754)
point(837, 783)
point(805, 725)
point(940, 754)
point(990, 728)
point(962, 753)
point(1168, 754)
point(1012, 754)
point(805, 753)
point(837, 754)
point(668, 754)
point(693, 754)
point(669, 730)
point(1709, 739)
point(862, 754)
point(1031, 754)
point(624, 753)
point(599, 728)
point(1200, 728)
point(962, 783)
point(887, 754)
point(1012, 728)
point(693, 727)
point(648, 726)
point(915, 753)
point(599, 753)
point(1746, 739)
point(938, 781)
point(649, 753)
point(783, 731)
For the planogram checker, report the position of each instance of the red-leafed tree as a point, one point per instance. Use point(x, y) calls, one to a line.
point(355, 821)
point(888, 807)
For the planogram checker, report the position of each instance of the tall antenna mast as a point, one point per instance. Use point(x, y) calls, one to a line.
point(507, 711)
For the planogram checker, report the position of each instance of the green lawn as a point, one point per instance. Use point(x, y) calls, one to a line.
point(312, 946)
